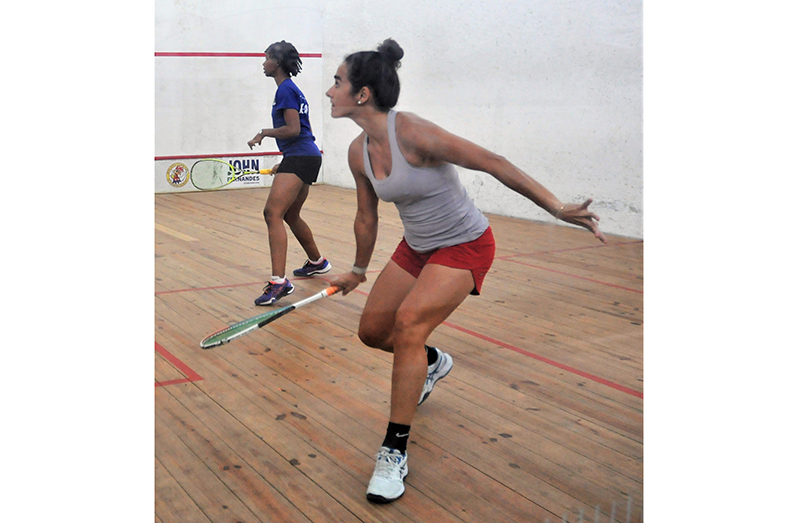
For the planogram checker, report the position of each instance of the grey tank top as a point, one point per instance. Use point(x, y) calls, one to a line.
point(435, 208)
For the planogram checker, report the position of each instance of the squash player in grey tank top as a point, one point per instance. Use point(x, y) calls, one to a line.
point(404, 159)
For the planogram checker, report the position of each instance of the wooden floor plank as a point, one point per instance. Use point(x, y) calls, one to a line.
point(287, 396)
point(541, 416)
point(313, 398)
point(173, 504)
point(201, 483)
point(251, 466)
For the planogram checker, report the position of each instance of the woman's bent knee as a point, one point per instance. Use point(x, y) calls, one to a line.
point(370, 338)
point(373, 336)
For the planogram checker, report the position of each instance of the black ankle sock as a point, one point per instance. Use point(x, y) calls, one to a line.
point(432, 355)
point(396, 437)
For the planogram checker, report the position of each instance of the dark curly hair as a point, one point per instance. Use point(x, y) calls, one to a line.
point(377, 70)
point(287, 57)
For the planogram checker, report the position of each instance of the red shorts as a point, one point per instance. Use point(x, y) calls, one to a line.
point(475, 256)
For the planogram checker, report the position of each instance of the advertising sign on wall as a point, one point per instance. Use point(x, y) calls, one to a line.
point(174, 174)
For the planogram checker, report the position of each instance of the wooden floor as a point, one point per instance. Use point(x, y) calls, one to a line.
point(540, 419)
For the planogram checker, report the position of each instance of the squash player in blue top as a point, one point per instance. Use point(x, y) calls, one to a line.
point(294, 176)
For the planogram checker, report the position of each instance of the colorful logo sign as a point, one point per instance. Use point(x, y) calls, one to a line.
point(177, 175)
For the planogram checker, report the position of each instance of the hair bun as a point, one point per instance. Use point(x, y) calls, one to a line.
point(391, 51)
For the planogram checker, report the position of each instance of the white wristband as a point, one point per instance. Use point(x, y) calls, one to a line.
point(359, 270)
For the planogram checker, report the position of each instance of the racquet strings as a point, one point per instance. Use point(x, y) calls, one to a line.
point(210, 174)
point(234, 331)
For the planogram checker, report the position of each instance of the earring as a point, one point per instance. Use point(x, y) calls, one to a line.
point(359, 102)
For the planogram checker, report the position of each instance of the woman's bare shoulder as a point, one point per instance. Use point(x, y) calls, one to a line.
point(418, 138)
point(356, 152)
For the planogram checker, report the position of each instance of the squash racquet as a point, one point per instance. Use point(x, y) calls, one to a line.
point(256, 322)
point(211, 174)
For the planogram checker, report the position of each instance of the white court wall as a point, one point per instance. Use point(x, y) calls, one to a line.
point(554, 86)
point(210, 106)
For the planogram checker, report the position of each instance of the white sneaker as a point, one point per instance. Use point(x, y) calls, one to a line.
point(436, 371)
point(387, 482)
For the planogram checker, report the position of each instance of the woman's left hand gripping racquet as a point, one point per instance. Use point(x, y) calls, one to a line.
point(256, 322)
point(210, 174)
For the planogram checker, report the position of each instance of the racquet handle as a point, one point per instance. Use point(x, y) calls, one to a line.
point(329, 291)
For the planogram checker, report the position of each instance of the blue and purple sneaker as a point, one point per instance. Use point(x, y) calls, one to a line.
point(274, 291)
point(310, 269)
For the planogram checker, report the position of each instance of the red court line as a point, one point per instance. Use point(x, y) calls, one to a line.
point(209, 288)
point(233, 155)
point(298, 278)
point(228, 55)
point(201, 156)
point(172, 382)
point(537, 357)
point(513, 348)
point(557, 251)
point(182, 367)
point(575, 276)
point(508, 258)
point(543, 359)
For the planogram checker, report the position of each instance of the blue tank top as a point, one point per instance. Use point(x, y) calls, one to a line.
point(435, 208)
point(288, 96)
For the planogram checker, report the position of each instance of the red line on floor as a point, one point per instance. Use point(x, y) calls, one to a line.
point(586, 247)
point(172, 382)
point(510, 256)
point(543, 359)
point(182, 367)
point(575, 276)
point(513, 348)
point(300, 278)
point(210, 288)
